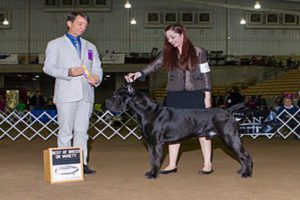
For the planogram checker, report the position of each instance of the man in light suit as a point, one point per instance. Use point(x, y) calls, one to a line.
point(75, 65)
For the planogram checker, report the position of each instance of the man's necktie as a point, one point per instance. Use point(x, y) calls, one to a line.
point(77, 48)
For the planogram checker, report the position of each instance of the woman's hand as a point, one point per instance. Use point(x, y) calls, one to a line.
point(132, 76)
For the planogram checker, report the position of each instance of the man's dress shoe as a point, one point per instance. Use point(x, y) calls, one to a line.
point(88, 170)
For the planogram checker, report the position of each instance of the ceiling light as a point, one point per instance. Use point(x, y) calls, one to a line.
point(133, 21)
point(5, 22)
point(257, 5)
point(243, 21)
point(127, 4)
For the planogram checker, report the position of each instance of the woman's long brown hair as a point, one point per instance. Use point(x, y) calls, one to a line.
point(187, 60)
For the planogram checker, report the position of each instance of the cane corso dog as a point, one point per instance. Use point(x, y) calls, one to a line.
point(160, 125)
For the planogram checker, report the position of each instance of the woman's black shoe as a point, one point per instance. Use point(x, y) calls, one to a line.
point(168, 171)
point(206, 172)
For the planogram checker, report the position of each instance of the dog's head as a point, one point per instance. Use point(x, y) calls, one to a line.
point(120, 99)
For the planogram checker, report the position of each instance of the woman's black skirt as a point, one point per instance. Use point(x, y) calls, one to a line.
point(185, 99)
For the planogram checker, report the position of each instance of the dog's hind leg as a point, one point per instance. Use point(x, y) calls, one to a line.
point(233, 141)
point(155, 158)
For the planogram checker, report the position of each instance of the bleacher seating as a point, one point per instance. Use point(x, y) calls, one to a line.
point(220, 89)
point(159, 94)
point(286, 82)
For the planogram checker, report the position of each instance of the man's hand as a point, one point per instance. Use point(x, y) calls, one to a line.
point(93, 79)
point(75, 71)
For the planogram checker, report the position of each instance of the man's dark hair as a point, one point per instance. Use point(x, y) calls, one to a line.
point(72, 16)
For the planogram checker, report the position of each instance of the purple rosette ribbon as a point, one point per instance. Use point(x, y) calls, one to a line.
point(90, 54)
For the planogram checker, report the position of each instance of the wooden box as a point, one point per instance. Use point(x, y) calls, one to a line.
point(63, 165)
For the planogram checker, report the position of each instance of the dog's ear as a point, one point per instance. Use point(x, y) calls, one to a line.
point(130, 88)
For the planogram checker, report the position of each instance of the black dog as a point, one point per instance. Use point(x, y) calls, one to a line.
point(162, 125)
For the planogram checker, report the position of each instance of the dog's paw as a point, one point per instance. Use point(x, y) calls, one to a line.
point(150, 175)
point(147, 173)
point(245, 173)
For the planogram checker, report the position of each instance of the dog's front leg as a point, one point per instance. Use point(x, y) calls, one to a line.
point(155, 157)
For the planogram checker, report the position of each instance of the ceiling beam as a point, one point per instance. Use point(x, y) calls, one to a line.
point(294, 0)
point(240, 7)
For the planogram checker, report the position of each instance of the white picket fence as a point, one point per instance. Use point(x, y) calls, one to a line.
point(44, 125)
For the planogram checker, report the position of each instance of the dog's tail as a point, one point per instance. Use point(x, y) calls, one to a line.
point(236, 107)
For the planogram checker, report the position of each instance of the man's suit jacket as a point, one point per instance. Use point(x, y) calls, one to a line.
point(60, 56)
